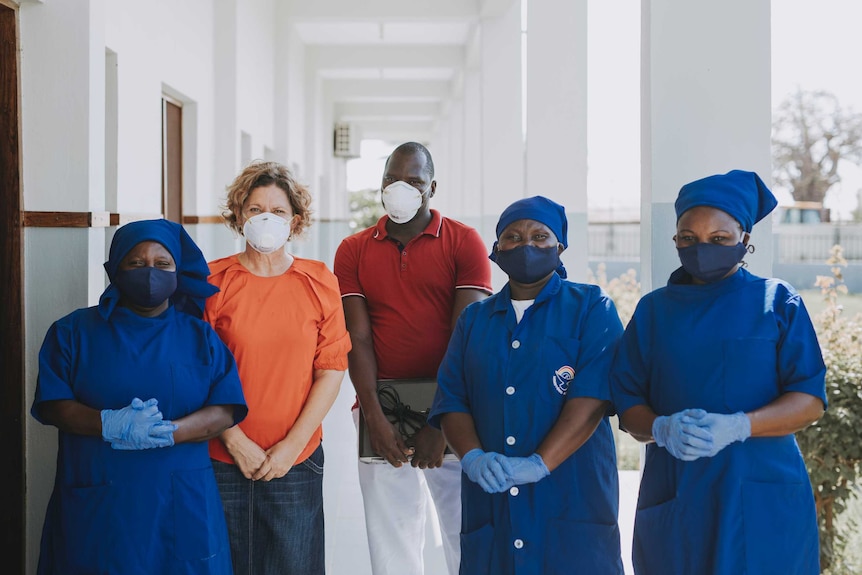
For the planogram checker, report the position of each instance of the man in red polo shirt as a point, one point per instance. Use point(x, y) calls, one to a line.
point(403, 284)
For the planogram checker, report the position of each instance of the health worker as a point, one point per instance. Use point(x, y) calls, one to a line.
point(523, 399)
point(715, 372)
point(136, 385)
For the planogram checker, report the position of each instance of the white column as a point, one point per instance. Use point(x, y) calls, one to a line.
point(226, 129)
point(326, 176)
point(472, 193)
point(502, 141)
point(557, 117)
point(455, 182)
point(705, 110)
point(290, 94)
point(502, 144)
point(444, 199)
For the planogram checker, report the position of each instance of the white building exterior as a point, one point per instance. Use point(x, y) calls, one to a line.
point(270, 78)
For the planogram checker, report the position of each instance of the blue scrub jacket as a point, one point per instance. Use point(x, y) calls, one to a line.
point(734, 345)
point(137, 512)
point(514, 379)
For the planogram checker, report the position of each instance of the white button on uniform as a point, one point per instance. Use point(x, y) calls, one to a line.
point(510, 440)
point(519, 543)
point(514, 491)
point(516, 344)
point(510, 390)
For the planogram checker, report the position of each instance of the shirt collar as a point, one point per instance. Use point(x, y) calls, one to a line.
point(432, 229)
point(550, 290)
point(680, 280)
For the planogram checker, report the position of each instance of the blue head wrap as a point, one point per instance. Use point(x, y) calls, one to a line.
point(192, 269)
point(542, 210)
point(741, 194)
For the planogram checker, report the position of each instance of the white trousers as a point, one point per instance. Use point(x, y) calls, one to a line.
point(396, 503)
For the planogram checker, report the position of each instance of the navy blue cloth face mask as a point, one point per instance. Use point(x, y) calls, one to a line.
point(710, 262)
point(146, 287)
point(527, 264)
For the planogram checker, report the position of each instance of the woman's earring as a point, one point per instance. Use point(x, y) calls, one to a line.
point(750, 248)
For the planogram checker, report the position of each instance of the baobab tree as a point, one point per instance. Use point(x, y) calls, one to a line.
point(811, 136)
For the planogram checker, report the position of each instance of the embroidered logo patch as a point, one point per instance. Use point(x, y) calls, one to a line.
point(562, 378)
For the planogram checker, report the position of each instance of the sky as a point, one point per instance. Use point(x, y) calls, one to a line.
point(815, 46)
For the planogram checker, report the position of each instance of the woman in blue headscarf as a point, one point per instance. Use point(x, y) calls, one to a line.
point(715, 372)
point(523, 399)
point(136, 387)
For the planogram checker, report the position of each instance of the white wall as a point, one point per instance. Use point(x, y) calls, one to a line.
point(256, 28)
point(55, 107)
point(159, 45)
point(289, 71)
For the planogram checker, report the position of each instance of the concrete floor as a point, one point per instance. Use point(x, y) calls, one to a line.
point(346, 543)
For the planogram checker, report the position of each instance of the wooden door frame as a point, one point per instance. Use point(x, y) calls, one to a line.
point(172, 160)
point(12, 498)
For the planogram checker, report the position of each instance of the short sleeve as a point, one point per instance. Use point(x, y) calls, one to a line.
point(601, 333)
point(451, 393)
point(800, 361)
point(629, 375)
point(346, 267)
point(333, 340)
point(472, 266)
point(55, 361)
point(225, 386)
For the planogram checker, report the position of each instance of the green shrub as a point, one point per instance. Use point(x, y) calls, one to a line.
point(365, 208)
point(625, 290)
point(832, 446)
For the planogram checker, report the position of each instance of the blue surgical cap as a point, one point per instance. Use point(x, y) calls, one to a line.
point(192, 268)
point(540, 209)
point(741, 194)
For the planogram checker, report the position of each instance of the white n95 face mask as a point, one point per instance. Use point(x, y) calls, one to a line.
point(266, 232)
point(401, 201)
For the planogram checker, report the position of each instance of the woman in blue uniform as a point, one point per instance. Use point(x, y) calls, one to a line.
point(716, 371)
point(523, 399)
point(136, 385)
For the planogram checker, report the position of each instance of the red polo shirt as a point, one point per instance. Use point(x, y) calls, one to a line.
point(410, 290)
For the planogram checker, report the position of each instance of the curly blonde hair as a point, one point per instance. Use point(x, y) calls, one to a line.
point(260, 174)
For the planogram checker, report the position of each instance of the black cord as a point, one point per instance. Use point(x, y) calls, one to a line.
point(400, 414)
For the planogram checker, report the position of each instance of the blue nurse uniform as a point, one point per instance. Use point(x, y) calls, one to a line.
point(154, 511)
point(734, 345)
point(514, 379)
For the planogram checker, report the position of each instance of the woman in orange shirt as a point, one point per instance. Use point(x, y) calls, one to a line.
point(281, 316)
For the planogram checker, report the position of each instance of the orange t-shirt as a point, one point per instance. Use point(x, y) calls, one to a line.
point(280, 329)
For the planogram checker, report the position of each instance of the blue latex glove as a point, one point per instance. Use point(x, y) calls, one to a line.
point(527, 469)
point(130, 426)
point(489, 470)
point(160, 435)
point(726, 428)
point(683, 434)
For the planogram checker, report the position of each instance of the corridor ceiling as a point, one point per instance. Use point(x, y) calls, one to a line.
point(389, 67)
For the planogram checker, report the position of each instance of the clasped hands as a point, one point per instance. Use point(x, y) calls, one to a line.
point(496, 473)
point(694, 433)
point(139, 425)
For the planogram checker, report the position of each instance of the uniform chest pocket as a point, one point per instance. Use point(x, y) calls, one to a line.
point(750, 373)
point(558, 367)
